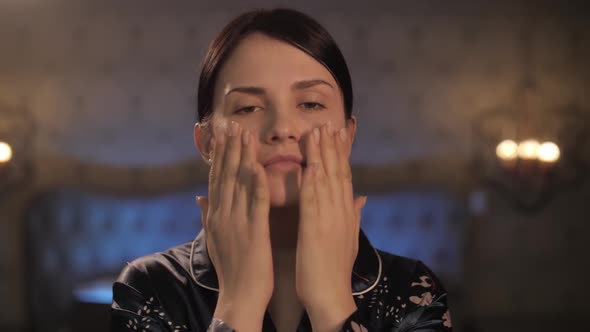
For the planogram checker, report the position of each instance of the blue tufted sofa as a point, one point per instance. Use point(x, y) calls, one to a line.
point(77, 243)
point(426, 225)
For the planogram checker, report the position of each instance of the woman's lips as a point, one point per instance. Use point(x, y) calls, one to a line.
point(283, 166)
point(283, 163)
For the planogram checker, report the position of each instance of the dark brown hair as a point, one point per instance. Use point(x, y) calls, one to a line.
point(287, 25)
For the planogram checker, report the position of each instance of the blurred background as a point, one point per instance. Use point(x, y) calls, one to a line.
point(472, 146)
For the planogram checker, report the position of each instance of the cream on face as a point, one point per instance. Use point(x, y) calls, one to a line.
point(279, 93)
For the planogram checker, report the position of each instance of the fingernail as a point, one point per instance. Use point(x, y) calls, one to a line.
point(233, 128)
point(316, 135)
point(246, 137)
point(329, 128)
point(343, 134)
point(223, 129)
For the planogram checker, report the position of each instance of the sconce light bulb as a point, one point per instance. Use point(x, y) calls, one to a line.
point(549, 152)
point(5, 152)
point(507, 150)
point(528, 149)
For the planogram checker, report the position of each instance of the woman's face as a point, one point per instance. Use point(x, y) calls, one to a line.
point(279, 93)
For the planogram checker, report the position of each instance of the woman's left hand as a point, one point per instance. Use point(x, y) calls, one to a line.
point(329, 226)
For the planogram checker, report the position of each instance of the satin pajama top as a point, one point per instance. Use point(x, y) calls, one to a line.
point(177, 290)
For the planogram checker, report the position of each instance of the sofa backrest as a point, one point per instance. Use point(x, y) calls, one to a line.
point(74, 237)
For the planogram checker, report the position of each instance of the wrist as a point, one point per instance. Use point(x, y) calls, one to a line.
point(218, 325)
point(239, 315)
point(330, 317)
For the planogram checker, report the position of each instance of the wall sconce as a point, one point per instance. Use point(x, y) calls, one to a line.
point(528, 164)
point(16, 136)
point(5, 154)
point(530, 170)
point(527, 157)
point(5, 158)
point(528, 149)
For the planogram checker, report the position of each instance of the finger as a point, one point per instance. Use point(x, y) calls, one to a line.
point(307, 198)
point(312, 149)
point(231, 162)
point(323, 192)
point(328, 152)
point(244, 176)
point(331, 165)
point(203, 203)
point(341, 142)
point(260, 203)
point(218, 143)
point(315, 169)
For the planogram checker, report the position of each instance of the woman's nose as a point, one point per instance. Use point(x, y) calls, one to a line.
point(282, 128)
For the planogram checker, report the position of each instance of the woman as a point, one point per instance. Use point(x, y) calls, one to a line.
point(281, 247)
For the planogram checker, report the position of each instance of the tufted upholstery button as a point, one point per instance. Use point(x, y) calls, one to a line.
point(396, 222)
point(426, 220)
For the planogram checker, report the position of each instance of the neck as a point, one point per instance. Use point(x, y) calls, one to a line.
point(284, 225)
point(284, 307)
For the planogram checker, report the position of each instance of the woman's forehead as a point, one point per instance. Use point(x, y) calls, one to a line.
point(266, 62)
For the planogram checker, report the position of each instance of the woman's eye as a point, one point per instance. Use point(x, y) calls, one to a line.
point(247, 109)
point(312, 106)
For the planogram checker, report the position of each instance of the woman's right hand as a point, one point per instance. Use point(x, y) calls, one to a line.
point(236, 223)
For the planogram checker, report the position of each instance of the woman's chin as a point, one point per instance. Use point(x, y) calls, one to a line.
point(283, 200)
point(284, 189)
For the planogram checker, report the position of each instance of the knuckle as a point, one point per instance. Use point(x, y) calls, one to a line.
point(229, 174)
point(334, 170)
point(213, 216)
point(339, 173)
point(246, 168)
point(308, 197)
point(231, 177)
point(347, 175)
point(234, 142)
point(260, 195)
point(320, 177)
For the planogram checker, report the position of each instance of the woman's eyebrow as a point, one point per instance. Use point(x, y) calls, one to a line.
point(299, 85)
point(253, 90)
